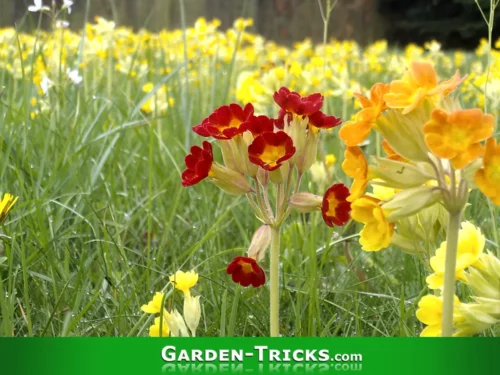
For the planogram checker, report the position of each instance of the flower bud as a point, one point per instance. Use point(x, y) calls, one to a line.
point(261, 240)
point(228, 180)
point(176, 324)
point(228, 155)
point(308, 154)
point(192, 313)
point(305, 202)
point(240, 150)
point(398, 174)
point(263, 176)
point(410, 201)
point(278, 176)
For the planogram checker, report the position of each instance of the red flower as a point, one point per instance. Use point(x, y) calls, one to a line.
point(258, 125)
point(322, 121)
point(290, 101)
point(335, 207)
point(280, 121)
point(225, 122)
point(198, 164)
point(269, 150)
point(246, 271)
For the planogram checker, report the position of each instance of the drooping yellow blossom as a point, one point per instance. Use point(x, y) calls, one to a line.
point(184, 281)
point(457, 135)
point(488, 177)
point(355, 132)
point(6, 204)
point(155, 305)
point(377, 232)
point(470, 247)
point(419, 81)
point(356, 167)
point(430, 313)
point(154, 330)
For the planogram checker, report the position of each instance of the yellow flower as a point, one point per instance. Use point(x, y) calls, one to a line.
point(430, 313)
point(330, 160)
point(5, 205)
point(356, 167)
point(419, 81)
point(154, 330)
point(457, 135)
point(377, 232)
point(155, 305)
point(488, 178)
point(470, 247)
point(184, 281)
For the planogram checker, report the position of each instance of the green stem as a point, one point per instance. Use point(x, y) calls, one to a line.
point(274, 292)
point(449, 272)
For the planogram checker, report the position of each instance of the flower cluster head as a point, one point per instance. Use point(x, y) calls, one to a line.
point(435, 154)
point(173, 322)
point(260, 152)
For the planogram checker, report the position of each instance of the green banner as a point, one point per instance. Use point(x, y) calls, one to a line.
point(249, 355)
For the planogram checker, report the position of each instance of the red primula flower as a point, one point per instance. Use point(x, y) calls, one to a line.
point(258, 125)
point(198, 164)
point(292, 102)
point(225, 122)
point(269, 150)
point(280, 121)
point(322, 121)
point(335, 207)
point(246, 271)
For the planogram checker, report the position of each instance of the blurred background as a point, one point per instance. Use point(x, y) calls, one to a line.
point(454, 23)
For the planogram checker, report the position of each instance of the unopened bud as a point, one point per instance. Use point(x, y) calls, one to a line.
point(192, 313)
point(278, 176)
point(260, 242)
point(308, 155)
point(305, 202)
point(230, 181)
point(263, 176)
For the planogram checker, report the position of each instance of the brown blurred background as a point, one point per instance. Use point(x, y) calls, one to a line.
point(455, 23)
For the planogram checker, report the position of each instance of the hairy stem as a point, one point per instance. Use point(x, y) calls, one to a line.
point(274, 289)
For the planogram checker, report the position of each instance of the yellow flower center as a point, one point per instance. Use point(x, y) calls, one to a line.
point(493, 172)
point(246, 267)
point(272, 154)
point(332, 205)
point(458, 139)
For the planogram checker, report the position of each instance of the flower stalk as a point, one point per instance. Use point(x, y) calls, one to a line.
point(274, 281)
point(449, 273)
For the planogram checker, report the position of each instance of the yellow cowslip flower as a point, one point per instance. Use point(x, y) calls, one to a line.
point(430, 313)
point(155, 305)
point(470, 247)
point(154, 330)
point(419, 82)
point(377, 232)
point(330, 160)
point(457, 135)
point(6, 204)
point(356, 131)
point(356, 167)
point(487, 178)
point(184, 281)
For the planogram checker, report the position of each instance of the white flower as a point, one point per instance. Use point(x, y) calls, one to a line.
point(62, 24)
point(74, 76)
point(68, 4)
point(37, 6)
point(46, 84)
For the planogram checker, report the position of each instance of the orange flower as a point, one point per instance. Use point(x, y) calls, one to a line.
point(356, 131)
point(356, 167)
point(335, 207)
point(269, 150)
point(488, 178)
point(245, 271)
point(457, 135)
point(225, 122)
point(418, 82)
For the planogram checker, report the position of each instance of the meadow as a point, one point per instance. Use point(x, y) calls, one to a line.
point(94, 128)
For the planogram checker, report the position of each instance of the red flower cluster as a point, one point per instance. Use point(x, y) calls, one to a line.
point(292, 102)
point(269, 150)
point(198, 164)
point(335, 207)
point(245, 271)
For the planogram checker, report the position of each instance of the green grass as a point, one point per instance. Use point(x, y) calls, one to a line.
point(95, 175)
